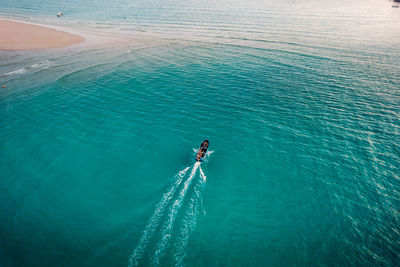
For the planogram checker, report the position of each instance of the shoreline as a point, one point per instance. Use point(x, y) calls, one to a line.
point(22, 36)
point(83, 36)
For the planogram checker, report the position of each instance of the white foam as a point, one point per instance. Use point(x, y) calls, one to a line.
point(169, 223)
point(202, 175)
point(19, 71)
point(42, 64)
point(137, 253)
point(189, 222)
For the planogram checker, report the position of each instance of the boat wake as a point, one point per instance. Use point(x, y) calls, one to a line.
point(167, 227)
point(137, 254)
point(151, 249)
point(189, 221)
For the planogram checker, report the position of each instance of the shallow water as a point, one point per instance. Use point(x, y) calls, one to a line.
point(300, 102)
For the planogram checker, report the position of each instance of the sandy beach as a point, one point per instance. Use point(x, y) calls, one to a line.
point(16, 36)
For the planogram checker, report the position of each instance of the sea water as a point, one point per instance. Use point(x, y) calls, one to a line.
point(300, 101)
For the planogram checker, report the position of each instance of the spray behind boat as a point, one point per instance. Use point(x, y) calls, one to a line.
point(162, 229)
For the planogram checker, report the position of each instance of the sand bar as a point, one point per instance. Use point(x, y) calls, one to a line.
point(16, 36)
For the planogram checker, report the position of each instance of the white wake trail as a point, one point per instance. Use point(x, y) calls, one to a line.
point(202, 175)
point(189, 222)
point(168, 225)
point(137, 253)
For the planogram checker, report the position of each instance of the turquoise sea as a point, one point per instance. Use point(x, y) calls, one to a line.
point(300, 101)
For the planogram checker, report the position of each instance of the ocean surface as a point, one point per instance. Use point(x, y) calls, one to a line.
point(300, 101)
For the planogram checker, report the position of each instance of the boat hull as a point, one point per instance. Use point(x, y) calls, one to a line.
point(201, 153)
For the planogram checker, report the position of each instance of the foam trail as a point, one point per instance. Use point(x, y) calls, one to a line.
point(189, 222)
point(154, 220)
point(202, 174)
point(44, 64)
point(19, 71)
point(168, 225)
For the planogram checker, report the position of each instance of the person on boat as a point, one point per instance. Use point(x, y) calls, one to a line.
point(198, 156)
point(205, 144)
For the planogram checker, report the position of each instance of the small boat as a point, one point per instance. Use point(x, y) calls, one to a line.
point(201, 154)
